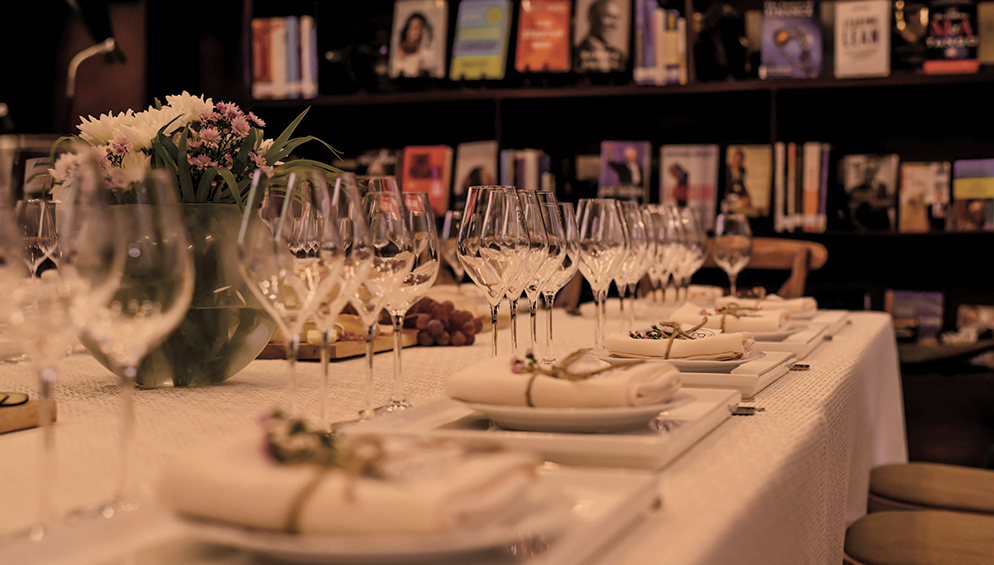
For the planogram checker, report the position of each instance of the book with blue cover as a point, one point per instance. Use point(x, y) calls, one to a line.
point(791, 40)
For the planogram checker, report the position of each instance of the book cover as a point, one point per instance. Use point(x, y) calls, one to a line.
point(791, 40)
point(625, 171)
point(973, 194)
point(476, 165)
point(923, 196)
point(811, 221)
point(870, 184)
point(952, 39)
point(292, 57)
point(543, 36)
point(601, 36)
point(523, 168)
point(428, 168)
point(277, 54)
point(645, 68)
point(479, 49)
point(918, 313)
point(985, 28)
point(689, 177)
point(419, 39)
point(262, 63)
point(909, 28)
point(308, 57)
point(779, 186)
point(792, 187)
point(748, 179)
point(380, 162)
point(862, 38)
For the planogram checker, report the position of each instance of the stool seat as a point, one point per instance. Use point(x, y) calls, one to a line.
point(918, 486)
point(927, 537)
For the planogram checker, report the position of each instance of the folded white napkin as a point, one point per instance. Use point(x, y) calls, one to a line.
point(802, 305)
point(431, 492)
point(742, 321)
point(494, 382)
point(720, 347)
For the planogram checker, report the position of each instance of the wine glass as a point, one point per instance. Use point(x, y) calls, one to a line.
point(535, 254)
point(492, 243)
point(293, 266)
point(732, 245)
point(696, 248)
point(634, 264)
point(448, 239)
point(424, 270)
point(565, 270)
point(386, 183)
point(602, 249)
point(155, 291)
point(354, 237)
point(392, 260)
point(556, 248)
point(45, 307)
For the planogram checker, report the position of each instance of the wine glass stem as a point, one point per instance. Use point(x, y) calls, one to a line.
point(549, 353)
point(599, 328)
point(292, 348)
point(633, 292)
point(533, 315)
point(513, 305)
point(493, 320)
point(398, 397)
point(125, 499)
point(731, 280)
point(46, 382)
point(370, 337)
point(621, 304)
point(325, 364)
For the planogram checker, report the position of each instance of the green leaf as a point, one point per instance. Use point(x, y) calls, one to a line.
point(185, 180)
point(203, 189)
point(232, 185)
point(297, 142)
point(280, 141)
point(241, 158)
point(307, 163)
point(162, 153)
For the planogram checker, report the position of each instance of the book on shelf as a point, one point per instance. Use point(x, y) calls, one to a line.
point(284, 57)
point(908, 31)
point(601, 36)
point(748, 179)
point(543, 42)
point(814, 184)
point(262, 62)
point(428, 168)
point(419, 39)
point(660, 38)
point(524, 168)
point(646, 69)
point(625, 170)
point(862, 38)
point(924, 196)
point(918, 314)
point(476, 165)
point(292, 57)
point(479, 48)
point(380, 162)
point(985, 28)
point(688, 176)
point(973, 194)
point(952, 39)
point(780, 187)
point(791, 44)
point(870, 184)
point(308, 57)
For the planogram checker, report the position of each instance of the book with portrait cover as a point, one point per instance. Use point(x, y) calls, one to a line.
point(624, 170)
point(952, 38)
point(479, 48)
point(428, 168)
point(601, 29)
point(419, 39)
point(870, 184)
point(923, 196)
point(543, 43)
point(688, 176)
point(862, 38)
point(476, 165)
point(791, 44)
point(973, 195)
point(748, 179)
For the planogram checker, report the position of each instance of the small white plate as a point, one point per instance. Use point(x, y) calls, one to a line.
point(586, 420)
point(781, 334)
point(695, 365)
point(548, 515)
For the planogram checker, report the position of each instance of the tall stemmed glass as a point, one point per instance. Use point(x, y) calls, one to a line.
point(424, 270)
point(492, 243)
point(448, 239)
point(555, 249)
point(393, 258)
point(292, 267)
point(46, 308)
point(602, 249)
point(696, 246)
point(155, 291)
point(732, 245)
point(565, 270)
point(536, 254)
point(634, 264)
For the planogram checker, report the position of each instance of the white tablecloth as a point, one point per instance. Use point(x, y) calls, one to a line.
point(776, 487)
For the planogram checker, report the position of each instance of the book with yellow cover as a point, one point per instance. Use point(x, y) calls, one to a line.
point(479, 48)
point(973, 194)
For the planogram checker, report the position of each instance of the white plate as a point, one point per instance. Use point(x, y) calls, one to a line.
point(779, 335)
point(695, 365)
point(549, 515)
point(596, 420)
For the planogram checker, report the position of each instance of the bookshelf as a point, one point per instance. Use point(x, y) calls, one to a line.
point(920, 117)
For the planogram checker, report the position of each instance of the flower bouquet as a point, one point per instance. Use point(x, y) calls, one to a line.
point(214, 151)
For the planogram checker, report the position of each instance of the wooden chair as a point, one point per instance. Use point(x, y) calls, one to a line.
point(783, 254)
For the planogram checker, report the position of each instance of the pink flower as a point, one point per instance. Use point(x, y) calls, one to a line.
point(200, 161)
point(517, 365)
point(256, 120)
point(211, 137)
point(703, 312)
point(240, 126)
point(193, 142)
point(257, 159)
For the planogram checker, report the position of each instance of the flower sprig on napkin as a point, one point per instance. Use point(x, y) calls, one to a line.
point(290, 441)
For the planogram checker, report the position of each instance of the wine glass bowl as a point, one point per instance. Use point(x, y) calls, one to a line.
point(448, 240)
point(603, 246)
point(732, 246)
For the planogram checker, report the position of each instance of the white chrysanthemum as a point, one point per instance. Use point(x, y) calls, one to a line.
point(99, 131)
point(135, 165)
point(189, 106)
point(64, 167)
point(264, 146)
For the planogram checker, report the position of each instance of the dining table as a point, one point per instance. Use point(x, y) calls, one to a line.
point(775, 484)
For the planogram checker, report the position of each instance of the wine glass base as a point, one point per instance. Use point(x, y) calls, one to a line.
point(391, 408)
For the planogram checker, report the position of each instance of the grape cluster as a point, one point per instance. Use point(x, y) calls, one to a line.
point(439, 323)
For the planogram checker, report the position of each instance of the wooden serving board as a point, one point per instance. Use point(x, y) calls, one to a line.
point(339, 349)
